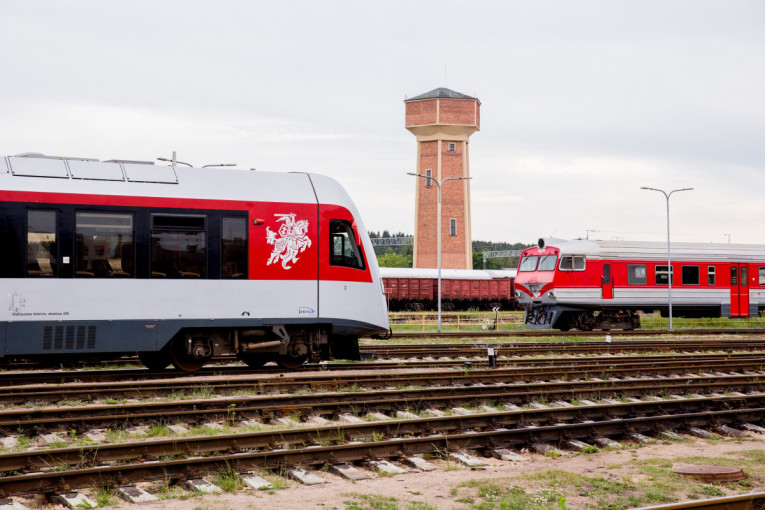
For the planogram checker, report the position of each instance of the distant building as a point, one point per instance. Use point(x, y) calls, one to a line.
point(443, 120)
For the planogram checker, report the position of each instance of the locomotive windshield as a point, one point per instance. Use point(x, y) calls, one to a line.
point(547, 263)
point(528, 263)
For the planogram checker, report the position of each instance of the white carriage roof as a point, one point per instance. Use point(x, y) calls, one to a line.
point(641, 250)
point(36, 172)
point(446, 274)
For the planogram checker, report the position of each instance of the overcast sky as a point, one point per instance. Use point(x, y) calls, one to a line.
point(582, 102)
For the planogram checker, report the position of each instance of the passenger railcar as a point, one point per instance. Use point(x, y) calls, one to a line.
point(416, 289)
point(103, 258)
point(589, 285)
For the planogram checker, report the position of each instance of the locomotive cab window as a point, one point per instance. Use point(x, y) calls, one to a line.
point(41, 243)
point(572, 263)
point(689, 275)
point(233, 249)
point(344, 245)
point(662, 277)
point(528, 263)
point(636, 274)
point(178, 246)
point(103, 245)
point(547, 263)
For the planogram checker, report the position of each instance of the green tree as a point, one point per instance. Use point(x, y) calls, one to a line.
point(392, 259)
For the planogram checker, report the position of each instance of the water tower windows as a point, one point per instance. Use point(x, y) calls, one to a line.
point(453, 227)
point(428, 182)
point(452, 146)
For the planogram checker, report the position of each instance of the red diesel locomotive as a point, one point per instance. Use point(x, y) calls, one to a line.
point(590, 285)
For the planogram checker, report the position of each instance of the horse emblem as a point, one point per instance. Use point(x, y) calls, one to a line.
point(291, 239)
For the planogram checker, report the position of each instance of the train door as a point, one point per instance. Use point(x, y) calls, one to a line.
point(608, 284)
point(739, 290)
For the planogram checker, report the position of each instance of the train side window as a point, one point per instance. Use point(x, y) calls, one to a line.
point(761, 280)
point(733, 276)
point(662, 275)
point(178, 246)
point(103, 245)
point(744, 281)
point(528, 263)
point(636, 274)
point(344, 246)
point(234, 248)
point(547, 263)
point(41, 243)
point(572, 263)
point(711, 275)
point(690, 275)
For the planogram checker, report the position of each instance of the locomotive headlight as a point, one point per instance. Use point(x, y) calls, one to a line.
point(551, 294)
point(518, 293)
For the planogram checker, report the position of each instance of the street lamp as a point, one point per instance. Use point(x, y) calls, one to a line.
point(438, 237)
point(669, 258)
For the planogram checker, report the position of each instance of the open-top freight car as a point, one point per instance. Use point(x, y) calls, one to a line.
point(103, 258)
point(589, 285)
point(416, 289)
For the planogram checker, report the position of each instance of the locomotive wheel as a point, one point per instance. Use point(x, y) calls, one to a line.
point(291, 362)
point(255, 360)
point(152, 360)
point(182, 360)
point(297, 354)
point(587, 321)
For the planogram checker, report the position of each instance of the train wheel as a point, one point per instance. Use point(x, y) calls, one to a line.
point(255, 360)
point(158, 360)
point(587, 321)
point(182, 360)
point(297, 354)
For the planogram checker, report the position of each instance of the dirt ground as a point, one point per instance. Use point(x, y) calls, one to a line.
point(436, 488)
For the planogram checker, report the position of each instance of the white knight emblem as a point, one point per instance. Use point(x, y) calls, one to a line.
point(291, 239)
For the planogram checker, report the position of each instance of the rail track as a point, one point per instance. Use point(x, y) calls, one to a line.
point(556, 333)
point(60, 469)
point(359, 413)
point(247, 381)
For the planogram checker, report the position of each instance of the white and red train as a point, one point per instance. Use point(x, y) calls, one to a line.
point(589, 285)
point(416, 289)
point(103, 258)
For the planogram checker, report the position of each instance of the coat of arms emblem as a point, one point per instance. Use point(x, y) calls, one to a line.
point(291, 239)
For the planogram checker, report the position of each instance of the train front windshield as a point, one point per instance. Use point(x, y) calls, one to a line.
point(538, 263)
point(528, 263)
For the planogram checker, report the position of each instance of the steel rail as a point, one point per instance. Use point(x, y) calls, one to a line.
point(269, 407)
point(110, 375)
point(754, 501)
point(609, 367)
point(281, 448)
point(554, 333)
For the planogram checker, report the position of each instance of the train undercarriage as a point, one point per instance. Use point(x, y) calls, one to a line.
point(191, 349)
point(566, 319)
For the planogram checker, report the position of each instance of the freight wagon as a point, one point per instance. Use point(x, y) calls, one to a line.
point(415, 289)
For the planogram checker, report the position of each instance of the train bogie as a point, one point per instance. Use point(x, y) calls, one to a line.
point(182, 264)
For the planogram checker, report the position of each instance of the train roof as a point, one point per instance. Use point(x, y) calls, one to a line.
point(446, 274)
point(642, 250)
point(39, 173)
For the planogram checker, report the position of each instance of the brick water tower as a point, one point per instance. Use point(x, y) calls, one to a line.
point(443, 120)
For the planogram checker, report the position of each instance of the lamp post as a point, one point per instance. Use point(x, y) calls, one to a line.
point(669, 258)
point(438, 236)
